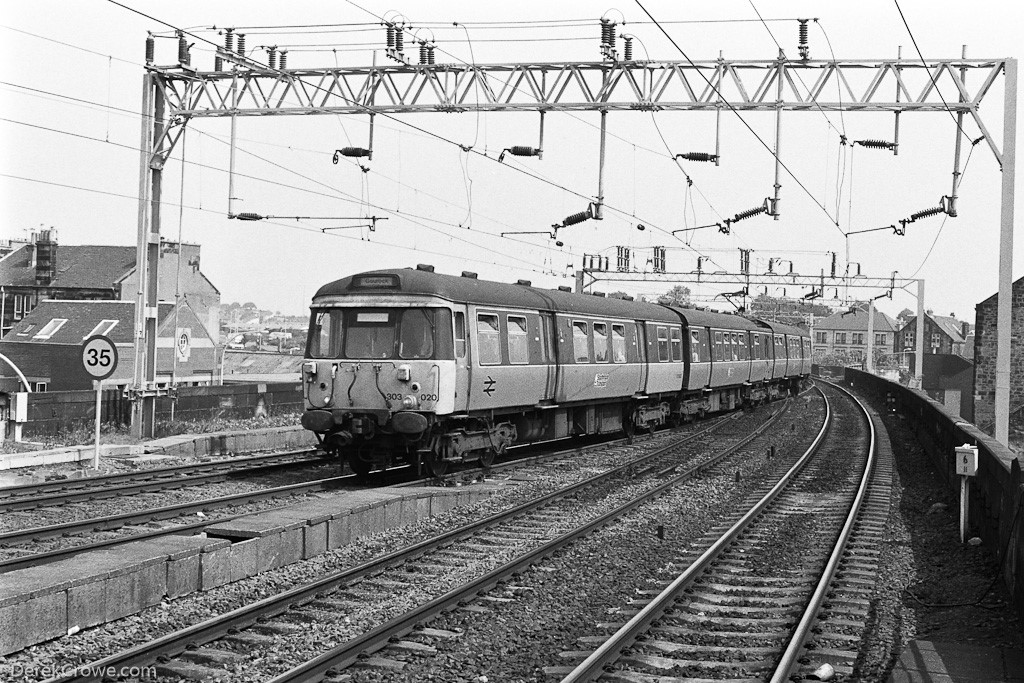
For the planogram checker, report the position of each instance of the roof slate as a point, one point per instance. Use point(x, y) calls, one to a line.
point(77, 266)
point(855, 322)
point(83, 316)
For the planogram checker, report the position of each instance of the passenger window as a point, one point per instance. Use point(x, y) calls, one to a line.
point(518, 351)
point(719, 348)
point(487, 339)
point(663, 355)
point(741, 339)
point(460, 334)
point(580, 342)
point(677, 344)
point(619, 343)
point(735, 342)
point(601, 342)
point(694, 346)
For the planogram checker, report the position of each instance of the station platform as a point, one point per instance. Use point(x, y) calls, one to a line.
point(925, 661)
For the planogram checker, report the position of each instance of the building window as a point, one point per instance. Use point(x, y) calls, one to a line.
point(104, 327)
point(840, 337)
point(619, 343)
point(880, 339)
point(601, 342)
point(50, 328)
point(936, 341)
point(580, 342)
point(858, 338)
point(518, 352)
point(821, 337)
point(487, 338)
point(908, 338)
point(39, 386)
point(22, 305)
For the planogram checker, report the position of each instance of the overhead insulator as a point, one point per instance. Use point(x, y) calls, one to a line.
point(399, 41)
point(749, 212)
point(604, 34)
point(241, 44)
point(248, 216)
point(182, 49)
point(875, 144)
point(611, 37)
point(698, 156)
point(218, 63)
point(430, 54)
point(391, 36)
point(229, 40)
point(802, 45)
point(577, 218)
point(150, 49)
point(350, 152)
point(926, 213)
point(284, 59)
point(627, 50)
point(423, 53)
point(272, 57)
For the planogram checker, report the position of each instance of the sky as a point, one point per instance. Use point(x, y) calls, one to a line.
point(70, 96)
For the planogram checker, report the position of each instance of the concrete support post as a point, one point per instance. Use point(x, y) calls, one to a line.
point(1004, 319)
point(919, 345)
point(870, 364)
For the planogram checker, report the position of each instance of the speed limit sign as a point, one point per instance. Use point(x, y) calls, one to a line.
point(99, 356)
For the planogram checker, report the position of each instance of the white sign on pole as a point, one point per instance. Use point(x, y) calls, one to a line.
point(99, 358)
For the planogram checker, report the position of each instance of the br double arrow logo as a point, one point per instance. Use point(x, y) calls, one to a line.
point(489, 385)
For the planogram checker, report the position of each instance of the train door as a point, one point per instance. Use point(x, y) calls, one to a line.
point(642, 354)
point(463, 358)
point(549, 344)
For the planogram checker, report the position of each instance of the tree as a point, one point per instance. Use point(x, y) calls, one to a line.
point(677, 296)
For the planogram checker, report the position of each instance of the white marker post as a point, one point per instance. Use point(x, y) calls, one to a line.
point(966, 466)
point(99, 358)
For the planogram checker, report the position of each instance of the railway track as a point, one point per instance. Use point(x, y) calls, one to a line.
point(745, 606)
point(64, 491)
point(428, 577)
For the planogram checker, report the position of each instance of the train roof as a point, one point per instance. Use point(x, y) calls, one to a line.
point(715, 319)
point(471, 290)
point(780, 328)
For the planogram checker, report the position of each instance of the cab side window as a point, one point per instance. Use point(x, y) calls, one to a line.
point(460, 334)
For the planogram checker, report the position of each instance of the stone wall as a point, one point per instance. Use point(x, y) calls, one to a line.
point(985, 360)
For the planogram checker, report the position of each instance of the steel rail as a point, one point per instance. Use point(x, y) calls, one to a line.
point(23, 491)
point(347, 653)
point(802, 631)
point(243, 617)
point(593, 666)
point(151, 485)
point(169, 511)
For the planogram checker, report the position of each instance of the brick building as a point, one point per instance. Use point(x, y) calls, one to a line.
point(38, 269)
point(846, 334)
point(985, 360)
point(942, 334)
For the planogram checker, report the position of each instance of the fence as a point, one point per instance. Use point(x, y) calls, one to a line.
point(52, 412)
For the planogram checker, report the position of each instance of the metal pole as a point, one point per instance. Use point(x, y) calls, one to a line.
point(871, 336)
point(919, 353)
point(778, 136)
point(959, 139)
point(99, 395)
point(599, 214)
point(1004, 318)
point(145, 147)
point(231, 148)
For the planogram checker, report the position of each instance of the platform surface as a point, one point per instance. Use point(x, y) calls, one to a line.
point(925, 661)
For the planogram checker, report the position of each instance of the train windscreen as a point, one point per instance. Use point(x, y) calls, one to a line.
point(381, 333)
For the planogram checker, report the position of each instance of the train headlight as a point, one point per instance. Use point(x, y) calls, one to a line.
point(404, 373)
point(410, 403)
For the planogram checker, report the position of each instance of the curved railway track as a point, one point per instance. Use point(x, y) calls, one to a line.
point(431, 576)
point(744, 608)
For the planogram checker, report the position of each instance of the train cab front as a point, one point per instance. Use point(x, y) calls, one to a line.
point(373, 380)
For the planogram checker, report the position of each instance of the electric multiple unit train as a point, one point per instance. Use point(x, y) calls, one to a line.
point(411, 365)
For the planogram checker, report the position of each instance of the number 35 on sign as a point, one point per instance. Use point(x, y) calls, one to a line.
point(99, 356)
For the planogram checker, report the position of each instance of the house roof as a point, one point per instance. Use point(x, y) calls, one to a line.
point(951, 327)
point(76, 266)
point(855, 322)
point(1017, 285)
point(262, 363)
point(84, 318)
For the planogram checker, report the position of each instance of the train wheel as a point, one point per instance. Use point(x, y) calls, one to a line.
point(436, 464)
point(487, 458)
point(359, 466)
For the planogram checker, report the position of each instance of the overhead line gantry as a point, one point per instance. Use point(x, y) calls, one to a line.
point(177, 93)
